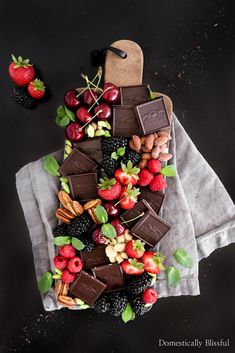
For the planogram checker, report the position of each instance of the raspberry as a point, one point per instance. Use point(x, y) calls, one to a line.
point(67, 251)
point(60, 262)
point(67, 277)
point(154, 166)
point(145, 177)
point(75, 264)
point(158, 183)
point(149, 296)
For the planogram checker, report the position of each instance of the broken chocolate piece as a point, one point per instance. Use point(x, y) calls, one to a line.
point(111, 275)
point(83, 186)
point(77, 162)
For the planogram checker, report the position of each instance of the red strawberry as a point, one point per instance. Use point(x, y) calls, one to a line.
point(68, 277)
point(153, 262)
point(135, 249)
point(20, 71)
point(145, 177)
point(132, 267)
point(158, 183)
point(36, 89)
point(149, 296)
point(128, 197)
point(109, 189)
point(154, 166)
point(127, 174)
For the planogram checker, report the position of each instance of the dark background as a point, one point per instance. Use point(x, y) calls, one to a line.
point(189, 49)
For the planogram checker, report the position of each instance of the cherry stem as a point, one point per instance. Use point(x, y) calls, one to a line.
point(108, 88)
point(133, 219)
point(88, 86)
point(99, 75)
point(91, 119)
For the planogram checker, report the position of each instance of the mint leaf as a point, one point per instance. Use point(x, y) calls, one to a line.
point(121, 151)
point(60, 241)
point(168, 171)
point(183, 258)
point(114, 156)
point(60, 111)
point(128, 313)
point(108, 230)
point(173, 276)
point(45, 282)
point(64, 121)
point(51, 165)
point(77, 244)
point(70, 114)
point(101, 214)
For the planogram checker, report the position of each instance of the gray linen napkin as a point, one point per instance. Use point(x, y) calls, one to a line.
point(197, 206)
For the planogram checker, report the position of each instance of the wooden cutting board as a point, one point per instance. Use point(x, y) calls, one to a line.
point(129, 71)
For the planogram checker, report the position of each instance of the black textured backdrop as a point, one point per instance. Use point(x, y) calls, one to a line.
point(189, 49)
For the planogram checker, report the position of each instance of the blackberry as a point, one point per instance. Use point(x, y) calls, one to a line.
point(132, 156)
point(111, 144)
point(118, 302)
point(22, 97)
point(60, 230)
point(79, 225)
point(138, 306)
point(88, 242)
point(138, 284)
point(102, 305)
point(109, 165)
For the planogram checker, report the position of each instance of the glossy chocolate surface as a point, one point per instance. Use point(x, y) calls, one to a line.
point(96, 257)
point(124, 122)
point(83, 186)
point(77, 162)
point(111, 275)
point(152, 116)
point(154, 198)
point(87, 288)
point(132, 95)
point(150, 228)
point(92, 147)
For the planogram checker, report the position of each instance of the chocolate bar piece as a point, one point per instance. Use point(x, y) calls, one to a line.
point(83, 186)
point(154, 198)
point(92, 147)
point(132, 95)
point(111, 275)
point(152, 116)
point(77, 162)
point(96, 257)
point(140, 207)
point(150, 228)
point(124, 122)
point(87, 288)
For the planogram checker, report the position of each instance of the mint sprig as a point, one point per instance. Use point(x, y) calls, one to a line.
point(119, 153)
point(64, 116)
point(128, 313)
point(101, 214)
point(173, 276)
point(51, 165)
point(65, 240)
point(108, 230)
point(77, 243)
point(45, 282)
point(168, 171)
point(183, 258)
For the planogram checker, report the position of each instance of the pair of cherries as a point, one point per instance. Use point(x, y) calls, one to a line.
point(103, 111)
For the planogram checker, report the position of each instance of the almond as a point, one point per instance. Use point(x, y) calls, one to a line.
point(120, 238)
point(142, 163)
point(145, 149)
point(146, 156)
point(160, 141)
point(164, 157)
point(164, 133)
point(124, 255)
point(155, 152)
point(137, 142)
point(119, 258)
point(155, 135)
point(149, 142)
point(142, 140)
point(132, 145)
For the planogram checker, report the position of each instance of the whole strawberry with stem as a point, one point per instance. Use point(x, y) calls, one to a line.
point(21, 71)
point(153, 262)
point(127, 174)
point(36, 89)
point(135, 249)
point(132, 267)
point(128, 197)
point(109, 188)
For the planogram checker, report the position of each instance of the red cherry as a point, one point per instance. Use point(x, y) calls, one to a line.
point(120, 228)
point(90, 98)
point(83, 115)
point(98, 236)
point(70, 99)
point(111, 209)
point(112, 95)
point(105, 113)
point(74, 132)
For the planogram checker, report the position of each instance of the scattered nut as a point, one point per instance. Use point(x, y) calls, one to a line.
point(78, 208)
point(112, 259)
point(137, 142)
point(164, 133)
point(64, 215)
point(142, 163)
point(124, 255)
point(160, 141)
point(155, 152)
point(113, 241)
point(91, 204)
point(146, 156)
point(127, 235)
point(142, 140)
point(120, 238)
point(149, 142)
point(110, 251)
point(119, 247)
point(145, 149)
point(119, 258)
point(58, 288)
point(164, 157)
point(66, 301)
point(132, 145)
point(92, 213)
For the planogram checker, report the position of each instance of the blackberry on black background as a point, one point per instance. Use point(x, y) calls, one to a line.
point(118, 302)
point(22, 97)
point(60, 230)
point(79, 225)
point(111, 144)
point(102, 305)
point(137, 304)
point(132, 156)
point(138, 284)
point(109, 165)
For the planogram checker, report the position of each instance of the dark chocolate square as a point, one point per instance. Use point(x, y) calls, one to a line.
point(111, 275)
point(150, 228)
point(87, 288)
point(154, 198)
point(124, 121)
point(77, 162)
point(139, 208)
point(152, 116)
point(92, 147)
point(132, 95)
point(83, 186)
point(96, 257)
